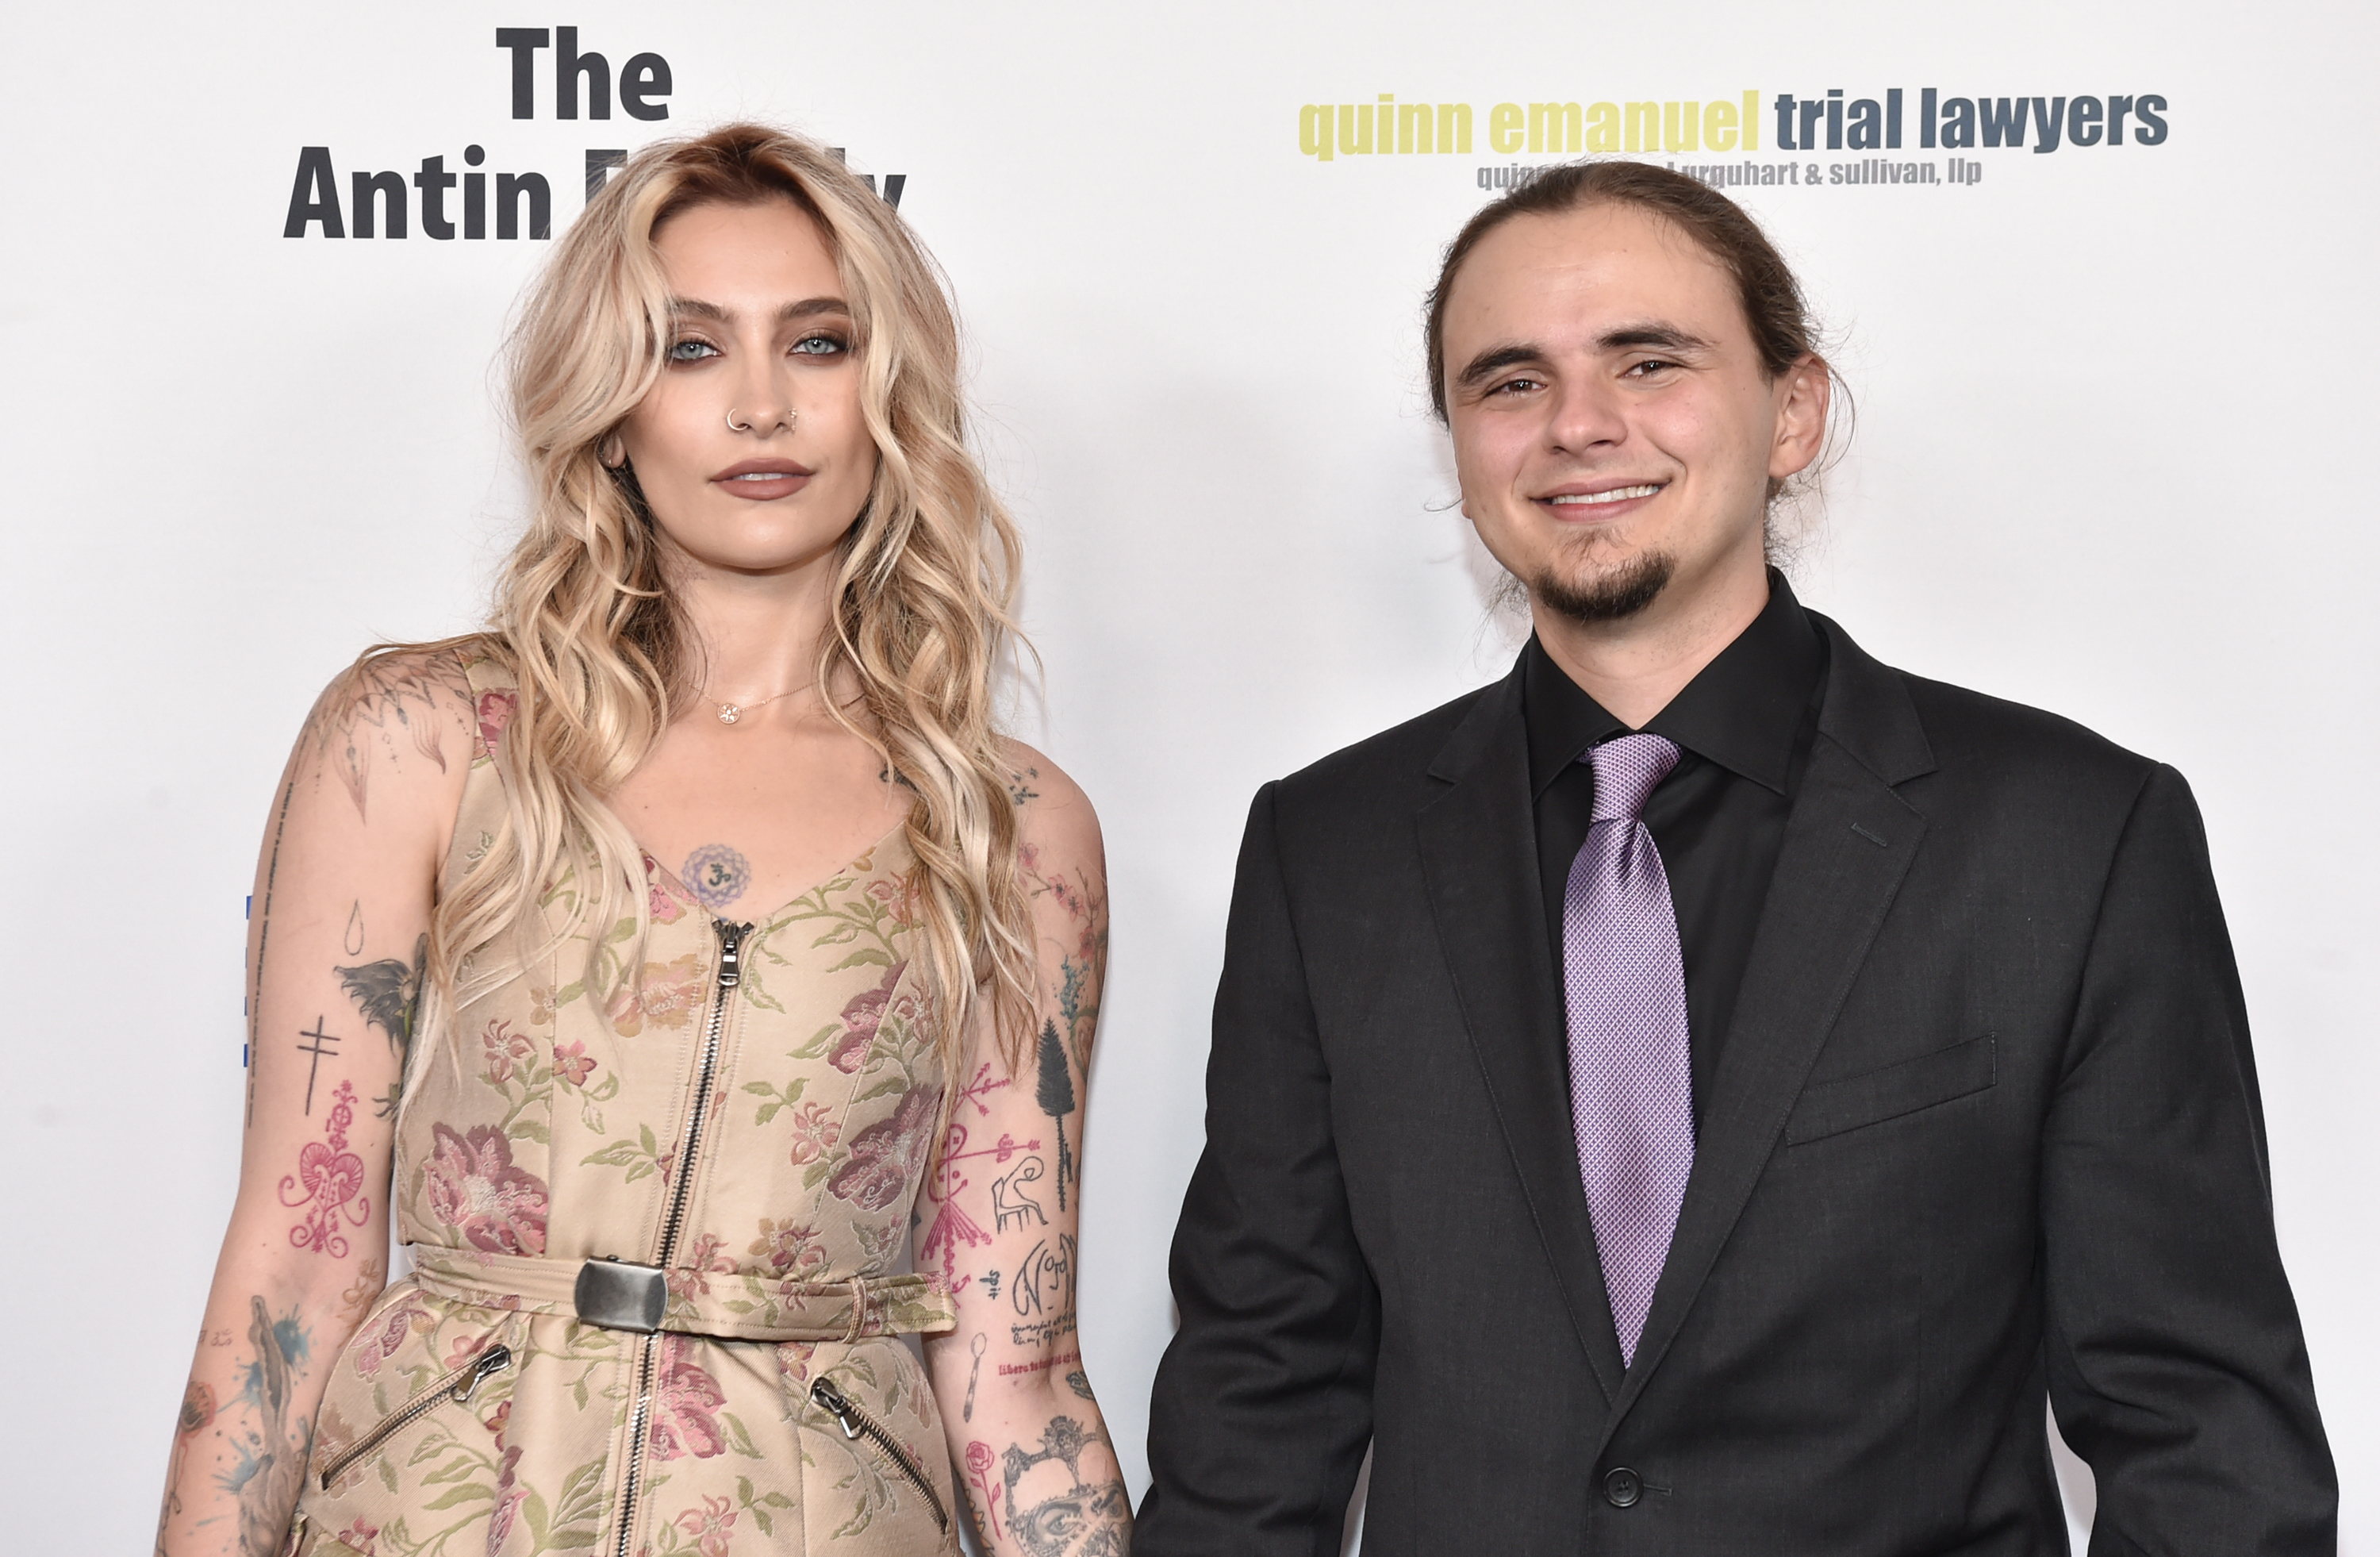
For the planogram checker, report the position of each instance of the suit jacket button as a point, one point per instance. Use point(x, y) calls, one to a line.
point(1621, 1487)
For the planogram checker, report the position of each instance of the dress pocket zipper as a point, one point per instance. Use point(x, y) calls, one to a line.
point(856, 1423)
point(457, 1387)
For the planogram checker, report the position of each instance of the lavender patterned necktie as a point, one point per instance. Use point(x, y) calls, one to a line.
point(1631, 1071)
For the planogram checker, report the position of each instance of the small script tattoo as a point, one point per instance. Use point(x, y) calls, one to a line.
point(327, 1188)
point(716, 874)
point(320, 1053)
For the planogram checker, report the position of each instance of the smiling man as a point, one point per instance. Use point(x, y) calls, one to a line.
point(1704, 1093)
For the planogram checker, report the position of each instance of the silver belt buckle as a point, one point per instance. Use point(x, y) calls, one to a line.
point(616, 1294)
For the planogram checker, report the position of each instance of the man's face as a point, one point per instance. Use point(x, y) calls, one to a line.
point(1614, 429)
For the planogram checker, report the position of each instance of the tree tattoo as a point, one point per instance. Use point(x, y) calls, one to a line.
point(1056, 1095)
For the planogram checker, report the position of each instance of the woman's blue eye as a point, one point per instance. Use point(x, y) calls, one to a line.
point(691, 351)
point(817, 345)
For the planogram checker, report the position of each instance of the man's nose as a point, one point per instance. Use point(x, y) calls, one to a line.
point(1585, 413)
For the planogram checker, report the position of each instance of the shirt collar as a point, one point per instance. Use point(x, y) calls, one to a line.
point(1743, 711)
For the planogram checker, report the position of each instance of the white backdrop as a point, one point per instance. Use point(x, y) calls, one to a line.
point(2112, 459)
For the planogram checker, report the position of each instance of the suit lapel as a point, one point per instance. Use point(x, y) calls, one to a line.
point(1478, 853)
point(1848, 845)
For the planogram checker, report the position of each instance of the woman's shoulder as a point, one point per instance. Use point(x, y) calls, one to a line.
point(1055, 820)
point(402, 717)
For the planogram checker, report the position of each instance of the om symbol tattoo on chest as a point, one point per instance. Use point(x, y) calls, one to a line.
point(716, 874)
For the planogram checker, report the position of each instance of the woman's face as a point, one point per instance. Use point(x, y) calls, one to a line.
point(751, 448)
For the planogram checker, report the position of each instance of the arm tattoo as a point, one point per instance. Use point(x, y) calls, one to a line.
point(1049, 1509)
point(393, 694)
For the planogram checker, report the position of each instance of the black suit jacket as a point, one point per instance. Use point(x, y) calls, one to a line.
point(1985, 1127)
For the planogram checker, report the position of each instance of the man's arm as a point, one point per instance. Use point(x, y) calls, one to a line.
point(2177, 1368)
point(1263, 1405)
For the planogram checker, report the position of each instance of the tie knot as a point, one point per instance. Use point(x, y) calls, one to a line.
point(1626, 771)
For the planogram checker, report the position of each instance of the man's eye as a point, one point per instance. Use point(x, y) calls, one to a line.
point(1515, 386)
point(818, 346)
point(691, 350)
point(1650, 366)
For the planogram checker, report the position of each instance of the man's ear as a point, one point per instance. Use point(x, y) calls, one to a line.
point(1807, 392)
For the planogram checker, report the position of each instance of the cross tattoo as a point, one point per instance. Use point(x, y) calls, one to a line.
point(316, 1049)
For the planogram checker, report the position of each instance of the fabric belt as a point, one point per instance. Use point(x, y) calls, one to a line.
point(738, 1306)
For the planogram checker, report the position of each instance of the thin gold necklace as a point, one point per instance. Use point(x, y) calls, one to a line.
point(730, 712)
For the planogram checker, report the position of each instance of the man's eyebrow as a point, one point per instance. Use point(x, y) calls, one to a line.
point(1495, 359)
point(807, 308)
point(1664, 337)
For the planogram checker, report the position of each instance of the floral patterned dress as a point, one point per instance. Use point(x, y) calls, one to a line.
point(717, 1164)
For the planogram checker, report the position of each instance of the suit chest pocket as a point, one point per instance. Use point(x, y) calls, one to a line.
point(1833, 1108)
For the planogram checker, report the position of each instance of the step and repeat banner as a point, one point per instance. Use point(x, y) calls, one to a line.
point(2098, 278)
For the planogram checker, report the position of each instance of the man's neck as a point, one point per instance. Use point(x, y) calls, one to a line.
point(1633, 667)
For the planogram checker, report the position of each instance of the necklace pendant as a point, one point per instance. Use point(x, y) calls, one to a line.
point(729, 713)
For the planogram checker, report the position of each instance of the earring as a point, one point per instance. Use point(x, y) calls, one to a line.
point(612, 454)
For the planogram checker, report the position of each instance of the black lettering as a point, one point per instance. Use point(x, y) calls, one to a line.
point(315, 196)
point(599, 164)
point(2049, 124)
point(390, 186)
point(2150, 111)
point(524, 42)
point(1958, 123)
point(2003, 125)
point(1928, 112)
point(1866, 125)
point(433, 181)
point(1892, 119)
point(2082, 122)
point(1785, 122)
point(510, 186)
point(475, 195)
point(1834, 119)
point(569, 64)
point(2117, 108)
point(644, 75)
point(892, 183)
point(1810, 115)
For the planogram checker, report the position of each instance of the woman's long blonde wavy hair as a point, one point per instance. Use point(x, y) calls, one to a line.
point(586, 619)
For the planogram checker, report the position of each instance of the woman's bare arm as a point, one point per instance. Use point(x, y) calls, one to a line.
point(1017, 1402)
point(338, 928)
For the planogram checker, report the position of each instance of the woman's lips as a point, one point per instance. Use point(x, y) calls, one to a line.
point(758, 481)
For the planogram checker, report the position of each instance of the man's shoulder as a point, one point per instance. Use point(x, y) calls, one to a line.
point(1388, 767)
point(1967, 728)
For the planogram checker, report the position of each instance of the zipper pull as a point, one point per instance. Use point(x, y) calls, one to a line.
point(827, 1398)
point(495, 1359)
point(731, 951)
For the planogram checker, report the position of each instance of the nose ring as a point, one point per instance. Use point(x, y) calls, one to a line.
point(785, 421)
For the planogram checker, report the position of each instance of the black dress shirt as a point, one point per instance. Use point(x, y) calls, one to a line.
point(1744, 726)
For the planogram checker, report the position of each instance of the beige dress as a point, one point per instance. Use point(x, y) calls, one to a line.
point(736, 1149)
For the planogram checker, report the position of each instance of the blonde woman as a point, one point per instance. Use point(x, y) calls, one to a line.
point(685, 962)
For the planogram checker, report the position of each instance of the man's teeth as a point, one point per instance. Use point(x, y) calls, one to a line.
point(1617, 494)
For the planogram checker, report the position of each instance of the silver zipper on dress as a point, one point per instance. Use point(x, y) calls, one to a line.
point(457, 1387)
point(730, 973)
point(856, 1423)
